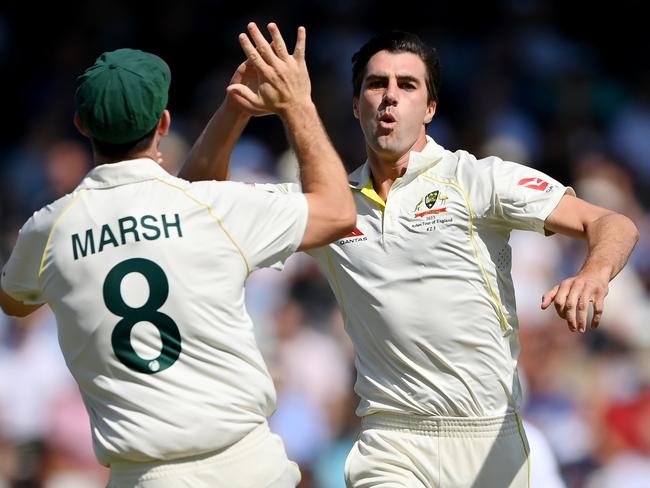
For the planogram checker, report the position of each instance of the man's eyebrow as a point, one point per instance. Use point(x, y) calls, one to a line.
point(376, 76)
point(406, 77)
point(400, 77)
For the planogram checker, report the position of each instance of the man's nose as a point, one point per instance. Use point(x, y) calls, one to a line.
point(390, 94)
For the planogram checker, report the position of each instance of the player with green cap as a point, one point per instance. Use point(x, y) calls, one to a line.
point(122, 96)
point(145, 272)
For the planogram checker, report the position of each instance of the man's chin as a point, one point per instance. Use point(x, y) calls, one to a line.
point(389, 149)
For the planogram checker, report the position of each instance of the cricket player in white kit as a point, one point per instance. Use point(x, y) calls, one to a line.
point(424, 284)
point(145, 273)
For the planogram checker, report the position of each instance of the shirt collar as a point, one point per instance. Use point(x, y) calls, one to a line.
point(430, 155)
point(122, 173)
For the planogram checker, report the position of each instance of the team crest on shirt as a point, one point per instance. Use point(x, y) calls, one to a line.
point(428, 212)
point(430, 200)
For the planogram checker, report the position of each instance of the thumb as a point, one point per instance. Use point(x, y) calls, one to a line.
point(549, 296)
point(237, 89)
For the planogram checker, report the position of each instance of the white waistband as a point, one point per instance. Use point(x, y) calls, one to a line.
point(444, 426)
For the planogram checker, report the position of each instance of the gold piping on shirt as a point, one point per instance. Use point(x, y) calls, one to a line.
point(214, 216)
point(507, 329)
point(56, 222)
point(520, 428)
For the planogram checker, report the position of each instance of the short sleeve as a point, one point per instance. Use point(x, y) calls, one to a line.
point(267, 226)
point(20, 275)
point(523, 197)
point(286, 188)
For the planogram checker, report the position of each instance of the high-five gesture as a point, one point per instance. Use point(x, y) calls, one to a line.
point(282, 78)
point(272, 80)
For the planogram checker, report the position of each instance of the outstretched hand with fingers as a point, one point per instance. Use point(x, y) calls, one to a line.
point(247, 76)
point(282, 78)
point(573, 296)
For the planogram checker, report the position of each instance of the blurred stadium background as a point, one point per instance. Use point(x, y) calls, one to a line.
point(560, 86)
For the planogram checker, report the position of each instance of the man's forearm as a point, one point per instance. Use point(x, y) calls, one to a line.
point(611, 239)
point(209, 158)
point(320, 164)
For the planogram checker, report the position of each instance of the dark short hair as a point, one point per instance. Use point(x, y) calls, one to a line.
point(121, 152)
point(397, 42)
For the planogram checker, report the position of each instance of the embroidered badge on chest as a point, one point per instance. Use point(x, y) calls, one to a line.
point(426, 217)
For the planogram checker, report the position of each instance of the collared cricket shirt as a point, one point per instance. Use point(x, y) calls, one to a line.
point(424, 282)
point(145, 274)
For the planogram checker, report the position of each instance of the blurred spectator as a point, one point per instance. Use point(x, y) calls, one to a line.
point(544, 468)
point(313, 380)
point(624, 447)
point(32, 374)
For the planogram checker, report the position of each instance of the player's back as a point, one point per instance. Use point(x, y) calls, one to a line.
point(145, 275)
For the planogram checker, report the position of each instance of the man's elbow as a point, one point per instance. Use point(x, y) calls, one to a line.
point(346, 220)
point(16, 311)
point(350, 218)
point(634, 231)
point(628, 227)
point(14, 308)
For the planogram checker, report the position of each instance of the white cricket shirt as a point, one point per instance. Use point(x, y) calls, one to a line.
point(145, 273)
point(424, 282)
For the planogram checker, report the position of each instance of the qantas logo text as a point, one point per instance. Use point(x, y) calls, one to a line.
point(355, 236)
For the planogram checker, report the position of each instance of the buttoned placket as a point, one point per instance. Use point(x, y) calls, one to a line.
point(392, 209)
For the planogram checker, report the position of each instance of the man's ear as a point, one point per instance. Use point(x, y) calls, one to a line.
point(164, 123)
point(80, 127)
point(431, 110)
point(355, 107)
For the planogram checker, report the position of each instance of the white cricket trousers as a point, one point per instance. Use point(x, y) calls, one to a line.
point(412, 451)
point(256, 461)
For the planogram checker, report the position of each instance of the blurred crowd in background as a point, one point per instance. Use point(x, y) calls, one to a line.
point(562, 88)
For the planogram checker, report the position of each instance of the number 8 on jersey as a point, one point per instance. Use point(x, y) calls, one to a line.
point(158, 293)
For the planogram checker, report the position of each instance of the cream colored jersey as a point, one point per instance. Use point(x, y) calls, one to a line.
point(145, 273)
point(424, 282)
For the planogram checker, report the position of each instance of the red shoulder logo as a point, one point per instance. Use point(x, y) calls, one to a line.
point(533, 183)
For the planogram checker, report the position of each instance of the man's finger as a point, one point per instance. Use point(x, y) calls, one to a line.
point(252, 56)
point(278, 44)
point(561, 301)
point(582, 310)
point(301, 39)
point(549, 296)
point(246, 93)
point(572, 303)
point(262, 45)
point(598, 311)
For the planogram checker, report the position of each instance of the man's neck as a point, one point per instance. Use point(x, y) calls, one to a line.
point(150, 153)
point(384, 171)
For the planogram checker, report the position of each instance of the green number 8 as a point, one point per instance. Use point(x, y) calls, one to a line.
point(158, 292)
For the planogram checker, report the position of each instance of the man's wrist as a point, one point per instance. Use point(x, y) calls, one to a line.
point(295, 110)
point(233, 109)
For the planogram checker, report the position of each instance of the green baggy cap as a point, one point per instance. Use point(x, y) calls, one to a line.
point(122, 96)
